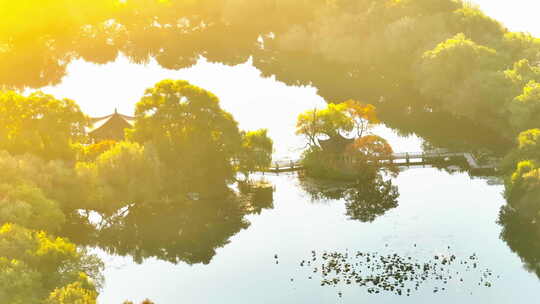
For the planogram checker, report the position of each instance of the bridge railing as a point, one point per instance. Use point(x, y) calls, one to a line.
point(408, 155)
point(285, 163)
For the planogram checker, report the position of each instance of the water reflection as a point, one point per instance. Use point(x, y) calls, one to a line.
point(258, 195)
point(365, 199)
point(187, 231)
point(522, 236)
point(173, 229)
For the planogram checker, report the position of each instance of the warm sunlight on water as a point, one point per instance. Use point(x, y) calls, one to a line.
point(361, 152)
point(436, 210)
point(430, 214)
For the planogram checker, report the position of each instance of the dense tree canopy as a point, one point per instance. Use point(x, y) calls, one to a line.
point(165, 195)
point(191, 133)
point(35, 183)
point(411, 58)
point(349, 118)
point(126, 174)
point(256, 151)
point(525, 108)
point(40, 124)
point(33, 264)
point(27, 206)
point(331, 153)
point(444, 70)
point(442, 55)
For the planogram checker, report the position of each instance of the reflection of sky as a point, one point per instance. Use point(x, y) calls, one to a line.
point(436, 210)
point(254, 101)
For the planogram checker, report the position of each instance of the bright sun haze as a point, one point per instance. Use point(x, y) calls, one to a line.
point(269, 151)
point(517, 15)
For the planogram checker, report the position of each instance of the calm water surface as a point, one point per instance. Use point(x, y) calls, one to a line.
point(437, 214)
point(436, 210)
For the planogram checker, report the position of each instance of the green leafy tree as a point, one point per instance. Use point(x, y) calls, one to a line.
point(529, 143)
point(126, 174)
point(335, 120)
point(518, 46)
point(74, 293)
point(475, 24)
point(46, 263)
point(57, 180)
point(525, 108)
point(523, 190)
point(528, 149)
point(363, 116)
point(309, 125)
point(256, 153)
point(443, 69)
point(27, 206)
point(346, 118)
point(522, 72)
point(194, 137)
point(523, 186)
point(91, 152)
point(40, 124)
point(19, 284)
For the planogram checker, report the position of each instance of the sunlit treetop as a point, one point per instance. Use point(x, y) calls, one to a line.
point(346, 49)
point(40, 124)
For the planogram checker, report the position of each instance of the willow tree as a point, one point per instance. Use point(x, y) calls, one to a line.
point(194, 137)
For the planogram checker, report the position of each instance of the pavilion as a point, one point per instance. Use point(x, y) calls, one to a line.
point(110, 127)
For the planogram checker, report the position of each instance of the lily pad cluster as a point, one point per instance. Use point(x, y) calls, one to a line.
point(397, 274)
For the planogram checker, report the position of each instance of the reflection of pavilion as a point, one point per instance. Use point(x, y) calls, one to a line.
point(110, 127)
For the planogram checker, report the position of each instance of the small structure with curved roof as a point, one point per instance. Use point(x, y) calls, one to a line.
point(110, 127)
point(336, 144)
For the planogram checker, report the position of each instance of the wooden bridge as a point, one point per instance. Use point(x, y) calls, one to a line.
point(398, 159)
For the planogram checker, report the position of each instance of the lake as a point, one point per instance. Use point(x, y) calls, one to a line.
point(441, 242)
point(440, 213)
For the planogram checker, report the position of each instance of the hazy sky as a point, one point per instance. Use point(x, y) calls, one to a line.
point(517, 15)
point(101, 88)
point(254, 101)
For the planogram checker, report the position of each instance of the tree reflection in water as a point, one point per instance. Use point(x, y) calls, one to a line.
point(183, 230)
point(365, 199)
point(188, 230)
point(522, 236)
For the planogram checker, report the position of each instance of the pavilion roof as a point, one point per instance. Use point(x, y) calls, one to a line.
point(98, 122)
point(335, 144)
